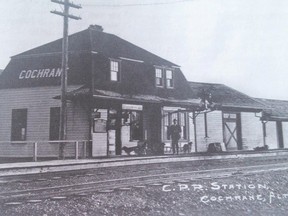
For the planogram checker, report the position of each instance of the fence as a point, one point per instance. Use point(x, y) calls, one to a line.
point(36, 149)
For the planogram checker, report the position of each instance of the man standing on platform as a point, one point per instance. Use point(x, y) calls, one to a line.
point(175, 131)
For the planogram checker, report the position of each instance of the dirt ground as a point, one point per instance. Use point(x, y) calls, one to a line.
point(258, 194)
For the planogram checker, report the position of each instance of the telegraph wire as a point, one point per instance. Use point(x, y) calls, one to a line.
point(137, 4)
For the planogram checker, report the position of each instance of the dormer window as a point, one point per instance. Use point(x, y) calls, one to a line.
point(159, 77)
point(164, 78)
point(169, 79)
point(114, 70)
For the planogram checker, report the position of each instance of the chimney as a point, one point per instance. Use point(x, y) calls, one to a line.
point(96, 28)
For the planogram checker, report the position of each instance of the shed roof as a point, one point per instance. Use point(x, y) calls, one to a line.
point(275, 109)
point(226, 96)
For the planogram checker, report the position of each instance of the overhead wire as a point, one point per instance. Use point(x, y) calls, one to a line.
point(137, 4)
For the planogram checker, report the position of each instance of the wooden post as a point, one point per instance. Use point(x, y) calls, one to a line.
point(264, 132)
point(35, 151)
point(64, 67)
point(84, 149)
point(195, 130)
point(76, 150)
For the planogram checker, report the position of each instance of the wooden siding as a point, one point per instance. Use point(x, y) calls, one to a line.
point(214, 130)
point(285, 134)
point(271, 131)
point(252, 132)
point(38, 101)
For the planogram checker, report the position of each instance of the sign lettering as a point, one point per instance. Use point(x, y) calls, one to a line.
point(40, 73)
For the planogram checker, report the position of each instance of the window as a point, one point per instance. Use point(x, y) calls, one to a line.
point(114, 70)
point(181, 118)
point(169, 79)
point(54, 123)
point(19, 125)
point(159, 77)
point(164, 77)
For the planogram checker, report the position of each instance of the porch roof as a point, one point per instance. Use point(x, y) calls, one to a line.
point(229, 98)
point(137, 98)
point(144, 98)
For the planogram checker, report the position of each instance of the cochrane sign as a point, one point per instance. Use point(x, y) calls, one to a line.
point(40, 73)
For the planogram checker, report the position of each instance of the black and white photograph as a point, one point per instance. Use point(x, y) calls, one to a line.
point(143, 107)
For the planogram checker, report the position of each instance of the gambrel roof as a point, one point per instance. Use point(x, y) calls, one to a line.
point(90, 52)
point(83, 46)
point(109, 45)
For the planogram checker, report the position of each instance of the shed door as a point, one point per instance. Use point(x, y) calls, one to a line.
point(232, 131)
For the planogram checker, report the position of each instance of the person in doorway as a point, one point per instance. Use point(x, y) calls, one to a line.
point(175, 131)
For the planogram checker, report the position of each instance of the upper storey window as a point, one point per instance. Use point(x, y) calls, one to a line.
point(159, 77)
point(169, 79)
point(164, 77)
point(114, 70)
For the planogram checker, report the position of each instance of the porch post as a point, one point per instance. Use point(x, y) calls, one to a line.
point(195, 131)
point(35, 152)
point(76, 150)
point(264, 132)
point(84, 148)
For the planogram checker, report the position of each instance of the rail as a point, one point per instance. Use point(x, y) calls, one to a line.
point(38, 142)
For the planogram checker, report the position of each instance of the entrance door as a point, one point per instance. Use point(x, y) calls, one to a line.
point(232, 131)
point(114, 132)
point(99, 133)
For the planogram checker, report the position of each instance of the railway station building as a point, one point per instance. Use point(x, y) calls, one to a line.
point(119, 95)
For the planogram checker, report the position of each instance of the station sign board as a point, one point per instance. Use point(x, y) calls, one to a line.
point(132, 107)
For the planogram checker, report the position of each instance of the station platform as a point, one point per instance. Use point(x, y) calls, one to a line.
point(26, 168)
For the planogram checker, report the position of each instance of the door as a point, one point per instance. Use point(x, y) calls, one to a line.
point(114, 128)
point(99, 132)
point(232, 131)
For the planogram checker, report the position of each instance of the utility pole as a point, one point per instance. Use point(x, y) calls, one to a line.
point(64, 66)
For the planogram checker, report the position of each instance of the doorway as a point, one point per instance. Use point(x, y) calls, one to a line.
point(232, 136)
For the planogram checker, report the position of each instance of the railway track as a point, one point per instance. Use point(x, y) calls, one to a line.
point(127, 183)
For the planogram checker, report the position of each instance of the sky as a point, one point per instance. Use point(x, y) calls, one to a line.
point(239, 43)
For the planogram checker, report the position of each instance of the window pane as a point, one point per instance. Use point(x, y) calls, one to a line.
point(229, 115)
point(166, 118)
point(174, 116)
point(114, 70)
point(159, 77)
point(114, 66)
point(168, 74)
point(159, 82)
point(169, 78)
point(169, 83)
point(158, 73)
point(114, 76)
